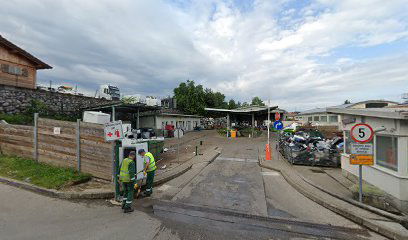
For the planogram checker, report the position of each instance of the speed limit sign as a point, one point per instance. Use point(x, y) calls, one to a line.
point(362, 133)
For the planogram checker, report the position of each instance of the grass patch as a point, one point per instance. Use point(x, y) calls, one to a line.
point(367, 190)
point(39, 174)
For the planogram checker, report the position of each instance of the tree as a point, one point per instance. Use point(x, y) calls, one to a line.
point(232, 104)
point(347, 102)
point(192, 98)
point(257, 101)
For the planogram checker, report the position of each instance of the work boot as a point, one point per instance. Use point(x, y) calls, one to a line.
point(128, 210)
point(147, 194)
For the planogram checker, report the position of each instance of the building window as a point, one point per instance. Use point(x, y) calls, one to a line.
point(316, 118)
point(323, 118)
point(310, 119)
point(387, 152)
point(333, 118)
point(15, 70)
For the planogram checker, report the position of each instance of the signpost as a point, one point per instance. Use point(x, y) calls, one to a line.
point(113, 133)
point(361, 151)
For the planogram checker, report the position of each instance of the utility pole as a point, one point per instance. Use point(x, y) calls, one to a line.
point(269, 119)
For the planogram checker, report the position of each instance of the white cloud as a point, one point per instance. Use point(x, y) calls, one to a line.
point(274, 50)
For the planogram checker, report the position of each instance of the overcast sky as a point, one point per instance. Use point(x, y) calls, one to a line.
point(300, 54)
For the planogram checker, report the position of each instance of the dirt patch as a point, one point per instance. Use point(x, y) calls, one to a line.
point(94, 183)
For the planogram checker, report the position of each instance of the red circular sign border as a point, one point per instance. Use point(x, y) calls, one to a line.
point(279, 116)
point(362, 124)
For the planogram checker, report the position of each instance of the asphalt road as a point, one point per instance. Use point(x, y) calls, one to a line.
point(233, 182)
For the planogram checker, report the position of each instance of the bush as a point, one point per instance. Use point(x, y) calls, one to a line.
point(222, 131)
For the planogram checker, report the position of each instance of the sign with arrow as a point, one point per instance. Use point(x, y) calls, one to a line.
point(278, 125)
point(113, 131)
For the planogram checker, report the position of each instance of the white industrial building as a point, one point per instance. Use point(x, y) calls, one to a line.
point(159, 119)
point(390, 170)
point(321, 117)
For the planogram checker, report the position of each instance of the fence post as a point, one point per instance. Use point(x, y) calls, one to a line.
point(78, 144)
point(35, 153)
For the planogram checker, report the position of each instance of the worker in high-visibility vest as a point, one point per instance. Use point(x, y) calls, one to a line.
point(128, 178)
point(149, 170)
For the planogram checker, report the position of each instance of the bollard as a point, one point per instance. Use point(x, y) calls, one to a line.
point(267, 152)
point(196, 150)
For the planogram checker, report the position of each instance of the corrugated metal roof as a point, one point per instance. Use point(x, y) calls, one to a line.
point(342, 106)
point(394, 113)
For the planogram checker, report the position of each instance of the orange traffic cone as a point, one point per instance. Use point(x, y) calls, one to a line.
point(267, 152)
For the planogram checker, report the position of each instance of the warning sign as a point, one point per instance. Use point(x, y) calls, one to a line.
point(113, 131)
point(361, 159)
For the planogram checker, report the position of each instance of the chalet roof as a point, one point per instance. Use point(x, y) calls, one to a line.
point(17, 50)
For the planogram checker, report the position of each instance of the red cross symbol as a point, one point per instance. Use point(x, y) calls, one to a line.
point(109, 134)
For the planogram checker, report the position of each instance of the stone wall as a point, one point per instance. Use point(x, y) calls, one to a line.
point(15, 100)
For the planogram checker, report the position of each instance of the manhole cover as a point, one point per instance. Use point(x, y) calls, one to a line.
point(317, 170)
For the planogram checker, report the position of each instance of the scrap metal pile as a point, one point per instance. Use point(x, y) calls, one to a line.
point(310, 148)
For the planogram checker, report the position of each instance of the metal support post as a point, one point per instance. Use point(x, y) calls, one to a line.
point(360, 183)
point(35, 132)
point(138, 118)
point(269, 120)
point(178, 145)
point(253, 124)
point(228, 125)
point(113, 114)
point(78, 144)
point(116, 169)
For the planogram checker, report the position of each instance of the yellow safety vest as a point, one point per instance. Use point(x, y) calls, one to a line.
point(124, 175)
point(152, 165)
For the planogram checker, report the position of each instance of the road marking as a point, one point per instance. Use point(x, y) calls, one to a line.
point(270, 174)
point(237, 159)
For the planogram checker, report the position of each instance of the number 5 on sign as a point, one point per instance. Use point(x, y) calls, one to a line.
point(362, 133)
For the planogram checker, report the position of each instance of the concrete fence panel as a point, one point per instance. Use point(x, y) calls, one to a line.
point(16, 140)
point(61, 144)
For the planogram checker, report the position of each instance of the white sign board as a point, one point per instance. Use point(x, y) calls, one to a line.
point(113, 131)
point(361, 149)
point(57, 130)
point(362, 133)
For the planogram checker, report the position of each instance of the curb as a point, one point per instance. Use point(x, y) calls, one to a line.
point(96, 194)
point(55, 193)
point(343, 212)
point(380, 212)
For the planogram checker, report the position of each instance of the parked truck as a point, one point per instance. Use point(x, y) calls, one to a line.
point(108, 92)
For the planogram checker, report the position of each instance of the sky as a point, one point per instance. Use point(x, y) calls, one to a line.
point(300, 54)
